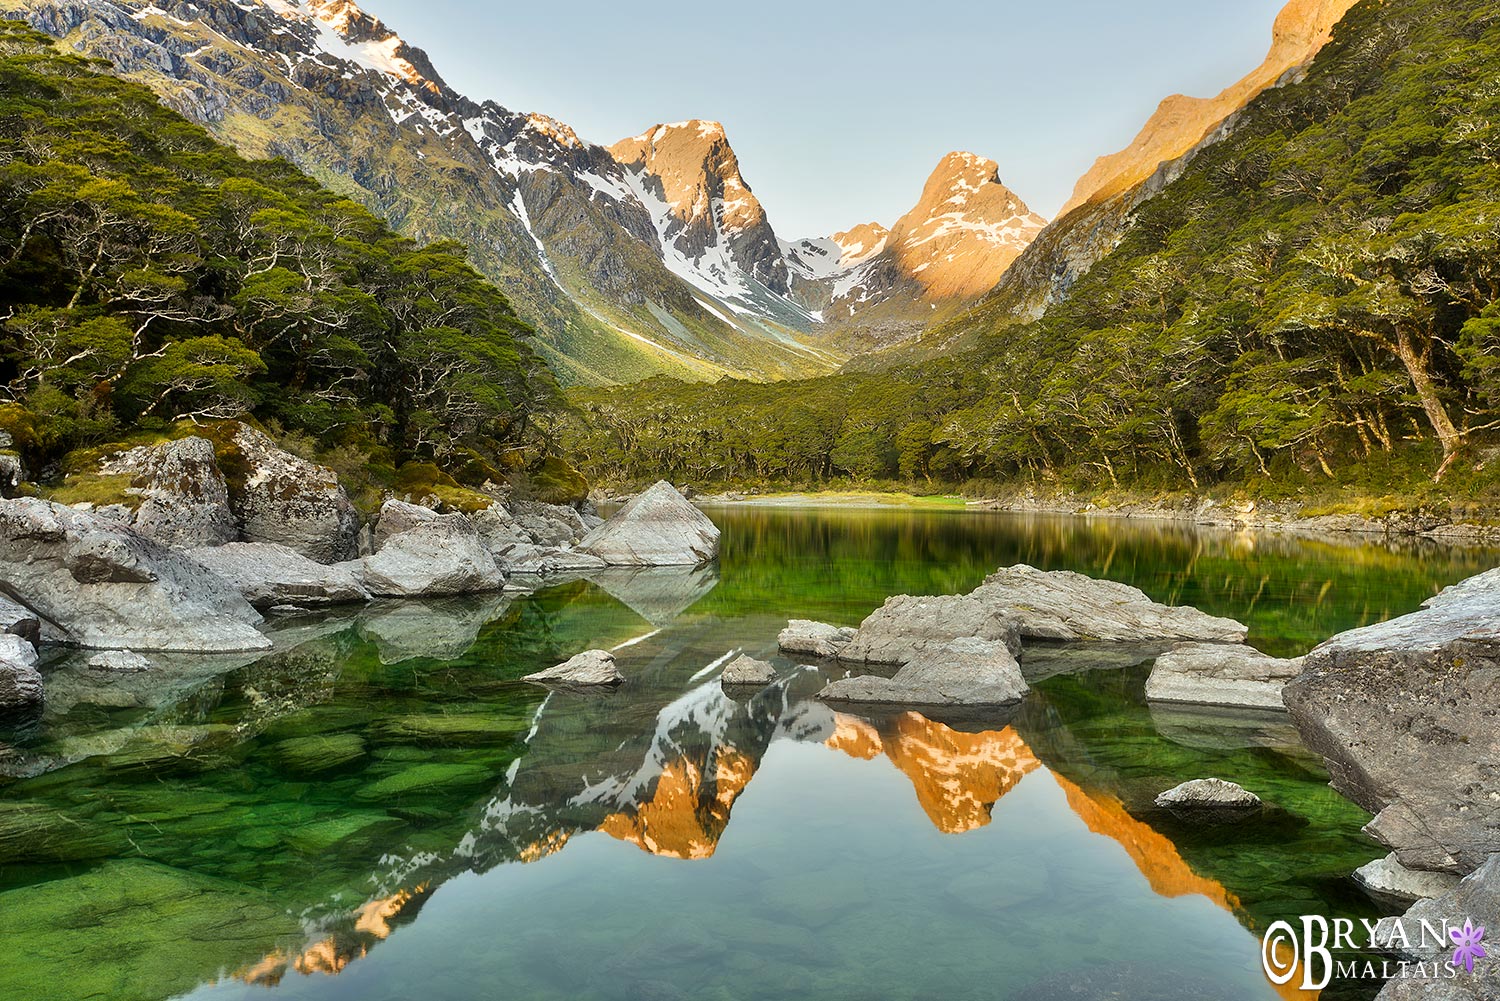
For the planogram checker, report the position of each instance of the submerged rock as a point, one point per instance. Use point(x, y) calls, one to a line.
point(287, 500)
point(119, 660)
point(271, 575)
point(1406, 713)
point(1208, 795)
point(20, 682)
point(906, 628)
point(184, 498)
point(965, 672)
point(746, 670)
point(658, 528)
point(1388, 881)
point(436, 556)
point(1062, 605)
point(590, 669)
point(814, 639)
point(106, 586)
point(1220, 674)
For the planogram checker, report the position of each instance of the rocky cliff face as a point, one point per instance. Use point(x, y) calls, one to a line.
point(1302, 28)
point(559, 223)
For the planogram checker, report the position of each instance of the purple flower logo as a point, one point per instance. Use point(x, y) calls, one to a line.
point(1466, 941)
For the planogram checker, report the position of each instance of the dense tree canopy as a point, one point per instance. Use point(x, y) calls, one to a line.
point(149, 275)
point(1314, 300)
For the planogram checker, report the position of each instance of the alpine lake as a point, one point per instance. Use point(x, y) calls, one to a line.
point(379, 809)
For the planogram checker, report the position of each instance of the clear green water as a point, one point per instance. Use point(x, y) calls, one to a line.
point(379, 810)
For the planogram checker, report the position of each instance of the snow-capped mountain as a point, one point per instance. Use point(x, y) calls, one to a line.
point(652, 255)
point(950, 248)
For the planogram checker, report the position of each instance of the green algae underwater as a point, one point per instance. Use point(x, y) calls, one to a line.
point(380, 809)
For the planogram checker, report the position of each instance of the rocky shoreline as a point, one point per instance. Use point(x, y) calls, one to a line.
point(221, 532)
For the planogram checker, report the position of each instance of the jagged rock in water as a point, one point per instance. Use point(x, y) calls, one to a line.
point(528, 558)
point(814, 639)
point(590, 669)
point(292, 502)
point(746, 670)
point(269, 575)
point(555, 525)
point(440, 555)
point(1475, 899)
point(1220, 674)
point(658, 528)
point(1388, 881)
point(20, 682)
point(184, 498)
point(965, 672)
point(906, 628)
point(1063, 605)
point(1208, 795)
point(124, 661)
point(1406, 713)
point(106, 586)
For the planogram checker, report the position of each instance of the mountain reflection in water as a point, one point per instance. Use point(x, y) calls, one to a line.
point(380, 799)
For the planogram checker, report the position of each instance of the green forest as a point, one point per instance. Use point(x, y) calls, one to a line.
point(1313, 306)
point(154, 278)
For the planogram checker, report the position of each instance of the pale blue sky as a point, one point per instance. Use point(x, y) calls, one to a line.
point(839, 111)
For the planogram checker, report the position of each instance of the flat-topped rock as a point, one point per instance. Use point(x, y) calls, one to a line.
point(590, 669)
point(968, 673)
point(20, 682)
point(659, 527)
point(1388, 881)
point(184, 498)
point(1406, 714)
point(806, 638)
point(1062, 605)
point(106, 586)
point(270, 575)
point(1220, 674)
point(432, 557)
point(746, 670)
point(1208, 794)
point(909, 627)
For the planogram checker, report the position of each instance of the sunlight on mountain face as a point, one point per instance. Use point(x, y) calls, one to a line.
point(688, 809)
point(958, 777)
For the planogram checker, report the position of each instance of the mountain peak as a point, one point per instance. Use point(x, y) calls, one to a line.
point(965, 230)
point(345, 31)
point(698, 170)
point(1301, 30)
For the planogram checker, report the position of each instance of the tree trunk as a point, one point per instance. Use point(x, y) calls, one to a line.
point(1416, 367)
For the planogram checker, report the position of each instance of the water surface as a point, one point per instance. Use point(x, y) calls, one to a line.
point(378, 809)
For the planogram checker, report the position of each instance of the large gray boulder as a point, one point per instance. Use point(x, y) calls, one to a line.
point(397, 516)
point(18, 619)
point(20, 682)
point(440, 555)
point(908, 627)
point(968, 673)
point(1406, 713)
point(285, 499)
point(1220, 674)
point(499, 528)
point(805, 638)
point(268, 575)
point(106, 586)
point(184, 498)
point(590, 669)
point(1476, 899)
point(1063, 605)
point(657, 528)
